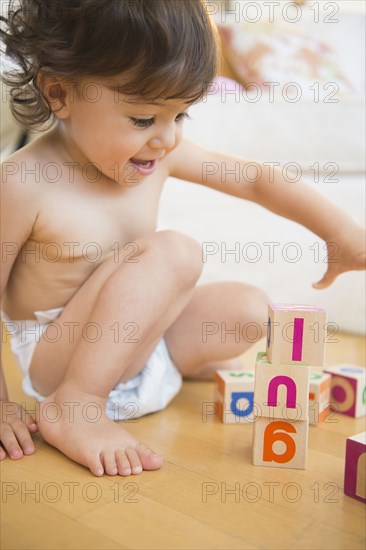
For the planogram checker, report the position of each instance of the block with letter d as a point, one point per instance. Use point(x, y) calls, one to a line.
point(235, 396)
point(296, 334)
point(281, 391)
point(348, 389)
point(355, 467)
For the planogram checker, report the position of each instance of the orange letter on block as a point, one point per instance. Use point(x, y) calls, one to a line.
point(270, 438)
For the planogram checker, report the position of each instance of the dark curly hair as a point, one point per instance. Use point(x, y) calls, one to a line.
point(166, 48)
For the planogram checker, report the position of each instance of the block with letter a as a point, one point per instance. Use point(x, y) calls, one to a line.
point(355, 467)
point(296, 334)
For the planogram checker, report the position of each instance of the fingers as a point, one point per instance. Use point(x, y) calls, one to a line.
point(24, 438)
point(360, 261)
point(16, 440)
point(11, 412)
point(328, 278)
point(10, 442)
point(28, 419)
point(31, 423)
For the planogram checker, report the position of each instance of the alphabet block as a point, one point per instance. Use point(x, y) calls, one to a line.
point(296, 334)
point(281, 391)
point(235, 396)
point(280, 443)
point(319, 397)
point(355, 467)
point(348, 389)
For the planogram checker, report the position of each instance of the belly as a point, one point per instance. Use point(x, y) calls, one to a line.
point(47, 275)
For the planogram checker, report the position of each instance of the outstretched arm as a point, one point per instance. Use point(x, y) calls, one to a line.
point(266, 186)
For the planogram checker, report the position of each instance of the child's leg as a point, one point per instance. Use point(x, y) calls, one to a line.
point(165, 268)
point(150, 293)
point(221, 322)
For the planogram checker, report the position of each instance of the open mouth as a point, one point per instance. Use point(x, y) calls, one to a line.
point(145, 167)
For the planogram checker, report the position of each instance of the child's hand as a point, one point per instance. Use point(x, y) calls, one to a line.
point(16, 426)
point(346, 254)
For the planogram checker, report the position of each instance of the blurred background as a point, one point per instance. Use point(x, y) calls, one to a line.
point(291, 90)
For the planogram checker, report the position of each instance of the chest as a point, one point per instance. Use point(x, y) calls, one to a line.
point(94, 222)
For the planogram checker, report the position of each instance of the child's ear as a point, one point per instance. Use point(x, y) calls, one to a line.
point(57, 91)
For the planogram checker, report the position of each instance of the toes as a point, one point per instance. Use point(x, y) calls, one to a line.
point(133, 457)
point(95, 466)
point(110, 465)
point(149, 459)
point(123, 464)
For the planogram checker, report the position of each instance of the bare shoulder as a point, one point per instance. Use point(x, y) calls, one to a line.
point(187, 161)
point(18, 181)
point(24, 173)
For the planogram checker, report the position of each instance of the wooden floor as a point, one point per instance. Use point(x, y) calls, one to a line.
point(207, 495)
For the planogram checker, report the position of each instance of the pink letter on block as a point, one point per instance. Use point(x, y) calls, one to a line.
point(355, 467)
point(273, 389)
point(297, 340)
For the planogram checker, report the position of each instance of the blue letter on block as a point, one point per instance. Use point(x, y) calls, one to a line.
point(235, 396)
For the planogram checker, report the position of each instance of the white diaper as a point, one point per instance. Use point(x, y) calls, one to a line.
point(150, 391)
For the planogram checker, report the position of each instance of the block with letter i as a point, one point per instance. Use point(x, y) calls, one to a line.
point(281, 425)
point(348, 389)
point(355, 467)
point(296, 334)
point(234, 396)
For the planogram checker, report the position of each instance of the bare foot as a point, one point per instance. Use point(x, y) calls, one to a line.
point(76, 424)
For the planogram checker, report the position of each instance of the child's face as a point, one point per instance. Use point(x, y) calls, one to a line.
point(124, 138)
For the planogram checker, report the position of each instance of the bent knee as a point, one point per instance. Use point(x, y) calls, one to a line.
point(254, 302)
point(181, 253)
point(257, 303)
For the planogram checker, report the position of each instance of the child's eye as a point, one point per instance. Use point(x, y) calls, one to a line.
point(181, 116)
point(142, 122)
point(146, 122)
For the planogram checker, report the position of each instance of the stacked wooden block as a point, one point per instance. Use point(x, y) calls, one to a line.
point(282, 396)
point(295, 341)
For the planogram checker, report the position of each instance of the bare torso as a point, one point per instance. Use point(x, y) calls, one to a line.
point(80, 223)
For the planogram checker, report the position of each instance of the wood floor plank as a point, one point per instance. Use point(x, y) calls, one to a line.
point(163, 526)
point(320, 535)
point(36, 526)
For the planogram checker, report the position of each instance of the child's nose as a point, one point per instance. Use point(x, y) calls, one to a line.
point(164, 138)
